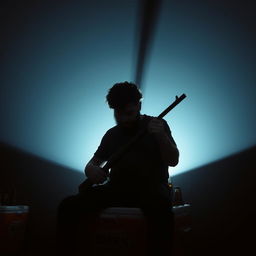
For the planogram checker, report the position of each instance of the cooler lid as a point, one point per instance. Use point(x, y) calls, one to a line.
point(14, 208)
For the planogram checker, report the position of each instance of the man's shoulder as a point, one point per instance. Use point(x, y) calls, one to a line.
point(113, 130)
point(148, 118)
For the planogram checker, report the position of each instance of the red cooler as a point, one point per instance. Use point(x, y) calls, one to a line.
point(12, 228)
point(118, 231)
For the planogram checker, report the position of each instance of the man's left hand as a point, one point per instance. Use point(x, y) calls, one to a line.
point(156, 126)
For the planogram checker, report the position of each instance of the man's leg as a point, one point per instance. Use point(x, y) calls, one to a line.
point(70, 212)
point(160, 232)
point(157, 207)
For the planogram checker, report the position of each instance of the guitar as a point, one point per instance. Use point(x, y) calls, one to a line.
point(116, 156)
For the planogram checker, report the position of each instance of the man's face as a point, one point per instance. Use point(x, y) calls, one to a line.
point(128, 115)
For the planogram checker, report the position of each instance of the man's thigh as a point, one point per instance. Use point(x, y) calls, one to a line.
point(95, 198)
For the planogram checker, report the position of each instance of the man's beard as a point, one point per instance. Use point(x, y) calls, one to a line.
point(130, 127)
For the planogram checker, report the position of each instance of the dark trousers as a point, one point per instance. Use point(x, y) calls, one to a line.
point(154, 201)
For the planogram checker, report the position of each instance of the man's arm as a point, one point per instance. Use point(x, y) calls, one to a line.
point(168, 148)
point(169, 151)
point(94, 172)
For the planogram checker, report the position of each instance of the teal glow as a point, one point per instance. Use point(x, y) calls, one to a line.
point(208, 53)
point(59, 67)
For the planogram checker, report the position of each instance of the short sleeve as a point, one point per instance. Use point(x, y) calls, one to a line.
point(103, 151)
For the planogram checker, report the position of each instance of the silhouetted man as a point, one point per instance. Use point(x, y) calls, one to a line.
point(138, 179)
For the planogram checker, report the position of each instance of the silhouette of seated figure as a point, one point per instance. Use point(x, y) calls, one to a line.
point(139, 179)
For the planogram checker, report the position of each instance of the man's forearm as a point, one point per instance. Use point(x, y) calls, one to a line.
point(169, 151)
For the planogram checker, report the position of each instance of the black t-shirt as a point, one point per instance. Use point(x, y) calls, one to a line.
point(142, 163)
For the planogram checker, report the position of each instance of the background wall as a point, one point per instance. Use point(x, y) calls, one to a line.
point(59, 60)
point(223, 204)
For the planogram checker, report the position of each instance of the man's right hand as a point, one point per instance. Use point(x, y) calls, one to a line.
point(95, 174)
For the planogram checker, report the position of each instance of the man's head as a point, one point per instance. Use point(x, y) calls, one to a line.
point(125, 99)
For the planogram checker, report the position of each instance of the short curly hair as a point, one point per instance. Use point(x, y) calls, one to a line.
point(121, 94)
